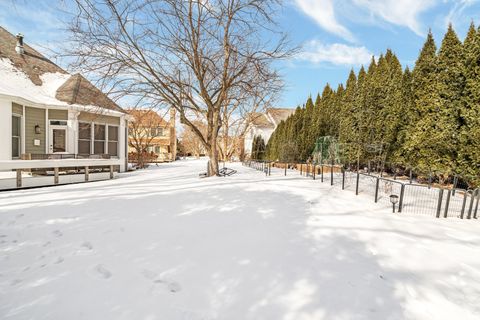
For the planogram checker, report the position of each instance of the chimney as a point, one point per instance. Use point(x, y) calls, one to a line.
point(19, 47)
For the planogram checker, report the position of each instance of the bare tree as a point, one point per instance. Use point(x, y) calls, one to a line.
point(193, 55)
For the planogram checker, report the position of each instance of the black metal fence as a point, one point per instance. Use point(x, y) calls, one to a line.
point(404, 194)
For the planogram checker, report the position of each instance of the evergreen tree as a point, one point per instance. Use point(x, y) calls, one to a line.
point(424, 138)
point(406, 110)
point(469, 151)
point(451, 78)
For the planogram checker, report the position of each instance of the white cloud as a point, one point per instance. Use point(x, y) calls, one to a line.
point(456, 14)
point(336, 54)
point(323, 13)
point(399, 12)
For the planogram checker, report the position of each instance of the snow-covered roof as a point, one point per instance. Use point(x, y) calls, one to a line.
point(32, 77)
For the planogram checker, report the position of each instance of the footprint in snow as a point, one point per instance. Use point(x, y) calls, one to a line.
point(58, 260)
point(57, 233)
point(87, 245)
point(102, 272)
point(171, 286)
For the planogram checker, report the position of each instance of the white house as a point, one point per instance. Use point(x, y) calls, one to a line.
point(47, 113)
point(263, 124)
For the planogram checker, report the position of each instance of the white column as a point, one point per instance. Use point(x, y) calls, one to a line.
point(5, 129)
point(72, 131)
point(47, 133)
point(122, 147)
point(23, 130)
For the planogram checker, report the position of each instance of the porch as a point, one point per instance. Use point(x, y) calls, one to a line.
point(55, 169)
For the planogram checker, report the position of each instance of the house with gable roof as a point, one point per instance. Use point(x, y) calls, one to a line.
point(48, 114)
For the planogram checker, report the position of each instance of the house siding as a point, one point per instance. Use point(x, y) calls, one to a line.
point(98, 118)
point(57, 114)
point(17, 109)
point(34, 116)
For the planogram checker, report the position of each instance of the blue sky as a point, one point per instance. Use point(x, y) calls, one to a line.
point(335, 35)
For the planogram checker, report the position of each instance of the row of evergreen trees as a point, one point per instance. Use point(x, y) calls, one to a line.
point(428, 118)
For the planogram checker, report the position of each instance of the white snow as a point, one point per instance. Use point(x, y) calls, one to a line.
point(163, 244)
point(14, 82)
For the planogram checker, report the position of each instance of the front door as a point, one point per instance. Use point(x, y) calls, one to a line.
point(58, 139)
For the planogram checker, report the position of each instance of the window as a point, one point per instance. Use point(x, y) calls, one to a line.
point(16, 137)
point(156, 132)
point(99, 139)
point(113, 140)
point(157, 149)
point(84, 138)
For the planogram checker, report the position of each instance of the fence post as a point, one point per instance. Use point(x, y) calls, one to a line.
point(411, 176)
point(286, 165)
point(469, 216)
point(269, 168)
point(462, 213)
point(314, 170)
point(358, 180)
point(455, 182)
point(331, 174)
point(439, 206)
point(376, 189)
point(476, 206)
point(321, 172)
point(301, 168)
point(55, 175)
point(19, 178)
point(447, 204)
point(400, 203)
point(343, 178)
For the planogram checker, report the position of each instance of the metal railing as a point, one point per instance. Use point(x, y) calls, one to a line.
point(62, 156)
point(413, 198)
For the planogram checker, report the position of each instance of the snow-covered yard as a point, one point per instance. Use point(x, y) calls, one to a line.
point(164, 244)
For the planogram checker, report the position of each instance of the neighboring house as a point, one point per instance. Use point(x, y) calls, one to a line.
point(149, 132)
point(47, 113)
point(263, 124)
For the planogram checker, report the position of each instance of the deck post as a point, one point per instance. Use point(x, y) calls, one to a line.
point(55, 177)
point(111, 172)
point(86, 173)
point(19, 178)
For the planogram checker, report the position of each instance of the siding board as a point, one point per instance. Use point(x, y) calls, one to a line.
point(17, 109)
point(34, 116)
point(98, 118)
point(57, 114)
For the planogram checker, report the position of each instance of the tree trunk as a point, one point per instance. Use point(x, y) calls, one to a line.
point(213, 163)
